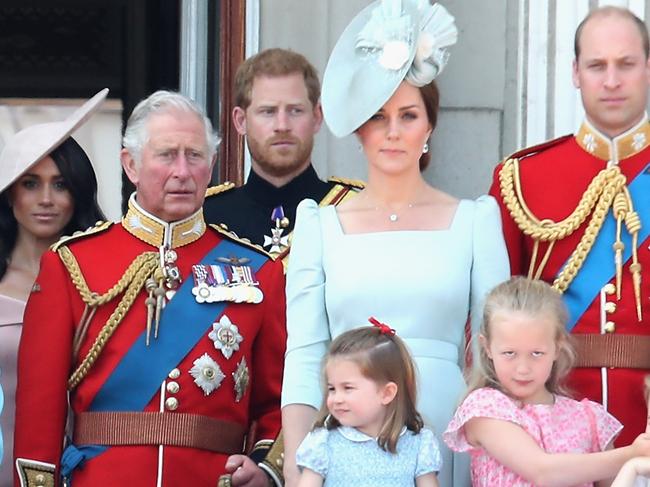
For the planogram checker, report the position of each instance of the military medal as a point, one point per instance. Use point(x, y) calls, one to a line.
point(161, 287)
point(241, 377)
point(230, 280)
point(225, 336)
point(277, 241)
point(207, 374)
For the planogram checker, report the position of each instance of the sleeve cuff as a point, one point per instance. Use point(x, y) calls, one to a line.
point(272, 461)
point(33, 473)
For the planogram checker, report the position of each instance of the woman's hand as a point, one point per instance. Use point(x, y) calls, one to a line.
point(297, 420)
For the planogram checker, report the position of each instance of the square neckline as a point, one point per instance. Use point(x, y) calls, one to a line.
point(434, 231)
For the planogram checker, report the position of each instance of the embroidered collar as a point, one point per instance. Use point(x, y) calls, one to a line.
point(620, 147)
point(158, 233)
point(353, 434)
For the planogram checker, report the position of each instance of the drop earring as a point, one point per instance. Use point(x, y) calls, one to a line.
point(425, 149)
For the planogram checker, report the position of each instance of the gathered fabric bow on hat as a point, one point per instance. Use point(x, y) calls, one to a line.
point(388, 42)
point(384, 329)
point(389, 35)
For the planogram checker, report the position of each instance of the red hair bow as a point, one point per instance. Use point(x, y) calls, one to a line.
point(383, 328)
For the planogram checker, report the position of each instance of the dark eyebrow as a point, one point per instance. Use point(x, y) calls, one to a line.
point(381, 110)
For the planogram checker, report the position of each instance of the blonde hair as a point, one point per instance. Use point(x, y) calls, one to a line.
point(382, 358)
point(534, 298)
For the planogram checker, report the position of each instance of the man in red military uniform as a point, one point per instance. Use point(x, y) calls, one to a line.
point(576, 213)
point(159, 340)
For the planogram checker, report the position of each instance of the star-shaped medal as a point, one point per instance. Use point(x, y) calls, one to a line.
point(242, 377)
point(225, 336)
point(277, 241)
point(207, 374)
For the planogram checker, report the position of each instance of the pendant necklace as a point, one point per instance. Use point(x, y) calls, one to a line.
point(393, 217)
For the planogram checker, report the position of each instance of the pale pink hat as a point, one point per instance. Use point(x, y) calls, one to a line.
point(31, 144)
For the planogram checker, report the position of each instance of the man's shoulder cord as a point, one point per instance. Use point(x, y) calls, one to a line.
point(145, 266)
point(607, 189)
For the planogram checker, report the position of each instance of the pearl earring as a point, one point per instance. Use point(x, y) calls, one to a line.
point(425, 149)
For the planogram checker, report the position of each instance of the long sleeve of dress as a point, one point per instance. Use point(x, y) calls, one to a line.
point(490, 264)
point(307, 323)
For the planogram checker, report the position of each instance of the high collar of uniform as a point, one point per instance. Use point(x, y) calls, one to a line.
point(158, 233)
point(620, 147)
point(294, 191)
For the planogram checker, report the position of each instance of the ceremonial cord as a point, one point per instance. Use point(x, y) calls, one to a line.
point(607, 189)
point(130, 283)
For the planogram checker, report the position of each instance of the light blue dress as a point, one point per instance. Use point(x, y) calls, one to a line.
point(347, 457)
point(422, 283)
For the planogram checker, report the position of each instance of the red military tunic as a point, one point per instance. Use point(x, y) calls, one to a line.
point(46, 363)
point(553, 179)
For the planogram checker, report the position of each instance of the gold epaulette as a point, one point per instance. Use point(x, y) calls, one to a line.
point(355, 183)
point(99, 227)
point(219, 188)
point(342, 190)
point(222, 229)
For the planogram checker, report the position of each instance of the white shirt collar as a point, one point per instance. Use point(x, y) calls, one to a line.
point(353, 434)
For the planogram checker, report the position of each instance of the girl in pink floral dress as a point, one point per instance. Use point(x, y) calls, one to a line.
point(517, 423)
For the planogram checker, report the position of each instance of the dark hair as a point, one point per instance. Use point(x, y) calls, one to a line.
point(273, 63)
point(606, 12)
point(431, 99)
point(381, 358)
point(79, 177)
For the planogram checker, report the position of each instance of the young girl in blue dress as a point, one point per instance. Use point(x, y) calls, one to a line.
point(368, 432)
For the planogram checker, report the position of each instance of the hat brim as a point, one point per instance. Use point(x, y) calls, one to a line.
point(30, 145)
point(354, 88)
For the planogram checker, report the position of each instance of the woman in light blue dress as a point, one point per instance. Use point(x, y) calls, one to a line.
point(401, 250)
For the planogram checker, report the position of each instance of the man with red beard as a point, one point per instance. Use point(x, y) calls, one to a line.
point(277, 109)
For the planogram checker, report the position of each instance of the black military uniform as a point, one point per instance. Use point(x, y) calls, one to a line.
point(253, 211)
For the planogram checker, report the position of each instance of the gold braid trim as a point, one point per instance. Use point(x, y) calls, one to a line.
point(131, 282)
point(596, 200)
point(91, 298)
point(548, 230)
point(577, 259)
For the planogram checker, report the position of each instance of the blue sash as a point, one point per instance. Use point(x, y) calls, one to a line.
point(138, 376)
point(599, 268)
